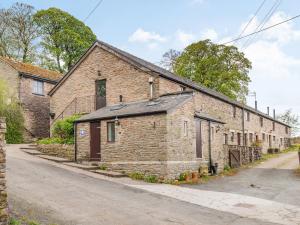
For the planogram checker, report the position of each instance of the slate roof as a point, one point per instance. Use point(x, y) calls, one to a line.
point(150, 67)
point(161, 105)
point(206, 116)
point(35, 71)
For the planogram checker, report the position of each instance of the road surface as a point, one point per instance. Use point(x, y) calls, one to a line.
point(52, 193)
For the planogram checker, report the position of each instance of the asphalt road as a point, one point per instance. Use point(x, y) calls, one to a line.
point(53, 194)
point(272, 180)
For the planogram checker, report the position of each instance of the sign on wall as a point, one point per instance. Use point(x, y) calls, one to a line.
point(82, 132)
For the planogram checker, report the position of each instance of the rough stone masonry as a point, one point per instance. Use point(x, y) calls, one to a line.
point(3, 193)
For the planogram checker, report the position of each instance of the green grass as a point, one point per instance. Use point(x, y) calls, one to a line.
point(102, 167)
point(136, 176)
point(22, 221)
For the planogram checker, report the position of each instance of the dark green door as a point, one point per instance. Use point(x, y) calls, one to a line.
point(100, 94)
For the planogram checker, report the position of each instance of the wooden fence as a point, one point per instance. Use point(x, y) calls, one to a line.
point(241, 155)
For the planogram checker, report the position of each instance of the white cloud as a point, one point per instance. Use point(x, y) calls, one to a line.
point(209, 34)
point(143, 36)
point(185, 38)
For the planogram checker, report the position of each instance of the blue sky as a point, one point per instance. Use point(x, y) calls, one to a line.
point(149, 28)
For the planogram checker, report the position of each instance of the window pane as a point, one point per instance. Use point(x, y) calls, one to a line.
point(111, 131)
point(38, 87)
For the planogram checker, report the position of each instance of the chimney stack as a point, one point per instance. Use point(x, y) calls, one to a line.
point(255, 105)
point(274, 115)
point(268, 110)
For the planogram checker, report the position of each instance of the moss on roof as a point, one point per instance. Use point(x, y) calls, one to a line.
point(30, 69)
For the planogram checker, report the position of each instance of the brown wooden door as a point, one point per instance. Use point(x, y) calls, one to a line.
point(198, 139)
point(100, 94)
point(95, 141)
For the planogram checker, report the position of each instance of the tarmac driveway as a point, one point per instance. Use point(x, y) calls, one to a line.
point(272, 180)
point(56, 194)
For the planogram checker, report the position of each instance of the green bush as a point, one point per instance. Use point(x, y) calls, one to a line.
point(102, 167)
point(12, 111)
point(47, 141)
point(183, 176)
point(151, 179)
point(227, 168)
point(64, 128)
point(63, 132)
point(13, 221)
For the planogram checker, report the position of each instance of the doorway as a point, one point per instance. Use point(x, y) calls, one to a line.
point(95, 143)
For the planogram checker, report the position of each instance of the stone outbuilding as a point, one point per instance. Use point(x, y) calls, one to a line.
point(30, 85)
point(160, 136)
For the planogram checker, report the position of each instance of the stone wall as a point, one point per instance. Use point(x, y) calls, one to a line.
point(121, 77)
point(58, 150)
point(3, 193)
point(11, 76)
point(36, 108)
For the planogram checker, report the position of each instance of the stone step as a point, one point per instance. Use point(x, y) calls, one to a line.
point(32, 151)
point(30, 148)
point(109, 173)
point(81, 166)
point(54, 158)
point(32, 145)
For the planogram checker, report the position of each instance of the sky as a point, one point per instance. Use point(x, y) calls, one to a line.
point(147, 29)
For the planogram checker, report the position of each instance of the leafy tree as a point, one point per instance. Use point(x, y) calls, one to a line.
point(219, 67)
point(12, 111)
point(169, 59)
point(18, 32)
point(64, 37)
point(290, 119)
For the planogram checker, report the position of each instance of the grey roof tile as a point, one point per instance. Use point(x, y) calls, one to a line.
point(160, 105)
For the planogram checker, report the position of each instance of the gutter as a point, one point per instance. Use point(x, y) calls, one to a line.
point(121, 116)
point(209, 146)
point(243, 126)
point(27, 75)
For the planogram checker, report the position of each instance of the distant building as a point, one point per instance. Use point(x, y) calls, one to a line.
point(30, 85)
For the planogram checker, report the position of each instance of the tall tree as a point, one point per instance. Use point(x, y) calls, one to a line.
point(18, 32)
point(219, 67)
point(64, 37)
point(169, 59)
point(290, 119)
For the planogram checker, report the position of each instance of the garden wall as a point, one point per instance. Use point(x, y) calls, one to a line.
point(3, 193)
point(58, 150)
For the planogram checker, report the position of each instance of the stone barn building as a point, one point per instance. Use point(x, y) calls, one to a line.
point(30, 85)
point(140, 117)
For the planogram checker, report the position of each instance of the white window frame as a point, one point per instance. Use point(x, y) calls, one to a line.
point(38, 87)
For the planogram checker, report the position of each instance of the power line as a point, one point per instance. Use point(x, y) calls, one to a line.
point(93, 10)
point(264, 29)
point(259, 8)
point(264, 21)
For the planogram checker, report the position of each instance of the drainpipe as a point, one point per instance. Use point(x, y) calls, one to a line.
point(243, 126)
point(209, 146)
point(75, 140)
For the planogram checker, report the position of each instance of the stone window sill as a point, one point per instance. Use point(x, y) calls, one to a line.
point(42, 95)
